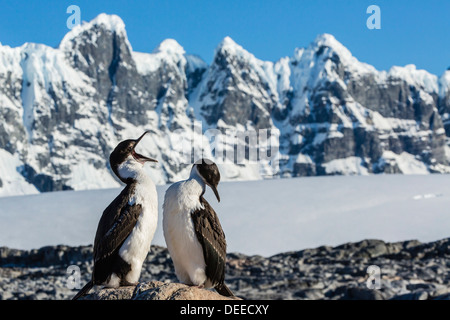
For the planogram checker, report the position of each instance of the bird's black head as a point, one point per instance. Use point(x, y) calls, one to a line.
point(123, 151)
point(209, 172)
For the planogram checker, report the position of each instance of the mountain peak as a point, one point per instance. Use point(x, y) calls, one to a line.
point(109, 22)
point(228, 42)
point(326, 46)
point(328, 40)
point(229, 47)
point(170, 46)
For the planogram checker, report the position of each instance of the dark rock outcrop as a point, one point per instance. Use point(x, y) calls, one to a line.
point(409, 270)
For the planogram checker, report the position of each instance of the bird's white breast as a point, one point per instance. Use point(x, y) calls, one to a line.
point(181, 199)
point(135, 248)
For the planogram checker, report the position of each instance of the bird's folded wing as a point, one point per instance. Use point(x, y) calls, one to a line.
point(120, 230)
point(116, 223)
point(212, 239)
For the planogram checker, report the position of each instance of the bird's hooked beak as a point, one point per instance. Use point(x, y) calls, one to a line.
point(214, 189)
point(139, 157)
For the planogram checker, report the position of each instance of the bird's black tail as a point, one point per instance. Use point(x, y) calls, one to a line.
point(224, 290)
point(84, 290)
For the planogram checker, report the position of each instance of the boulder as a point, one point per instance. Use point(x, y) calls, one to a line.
point(156, 290)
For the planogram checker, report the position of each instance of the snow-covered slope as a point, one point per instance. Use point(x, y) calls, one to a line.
point(63, 110)
point(258, 217)
point(13, 183)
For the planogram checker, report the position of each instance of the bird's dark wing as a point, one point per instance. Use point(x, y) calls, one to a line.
point(116, 223)
point(212, 239)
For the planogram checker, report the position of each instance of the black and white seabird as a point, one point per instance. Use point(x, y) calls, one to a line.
point(128, 224)
point(193, 234)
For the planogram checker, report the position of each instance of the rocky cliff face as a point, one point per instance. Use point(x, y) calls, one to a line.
point(64, 109)
point(343, 116)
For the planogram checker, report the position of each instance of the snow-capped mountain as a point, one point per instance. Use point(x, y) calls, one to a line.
point(63, 110)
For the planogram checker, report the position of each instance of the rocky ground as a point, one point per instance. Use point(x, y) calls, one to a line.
point(409, 270)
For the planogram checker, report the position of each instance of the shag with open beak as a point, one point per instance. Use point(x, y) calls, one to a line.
point(123, 156)
point(128, 224)
point(192, 230)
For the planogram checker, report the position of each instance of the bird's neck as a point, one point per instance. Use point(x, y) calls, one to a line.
point(197, 179)
point(131, 170)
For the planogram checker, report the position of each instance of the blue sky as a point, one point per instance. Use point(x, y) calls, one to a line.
point(411, 31)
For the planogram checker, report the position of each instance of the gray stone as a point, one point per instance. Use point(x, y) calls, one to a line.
point(418, 295)
point(318, 273)
point(442, 297)
point(363, 294)
point(156, 290)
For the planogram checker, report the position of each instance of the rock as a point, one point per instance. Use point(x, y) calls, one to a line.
point(376, 249)
point(5, 295)
point(418, 295)
point(156, 290)
point(409, 270)
point(309, 294)
point(365, 249)
point(353, 271)
point(363, 294)
point(124, 293)
point(442, 297)
point(417, 286)
point(411, 244)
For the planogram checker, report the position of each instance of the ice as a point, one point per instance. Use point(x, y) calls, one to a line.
point(420, 78)
point(406, 162)
point(146, 63)
point(170, 47)
point(194, 63)
point(444, 83)
point(168, 51)
point(427, 196)
point(85, 176)
point(12, 181)
point(347, 166)
point(258, 217)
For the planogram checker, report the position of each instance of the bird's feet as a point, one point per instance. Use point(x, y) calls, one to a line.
point(125, 283)
point(200, 286)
